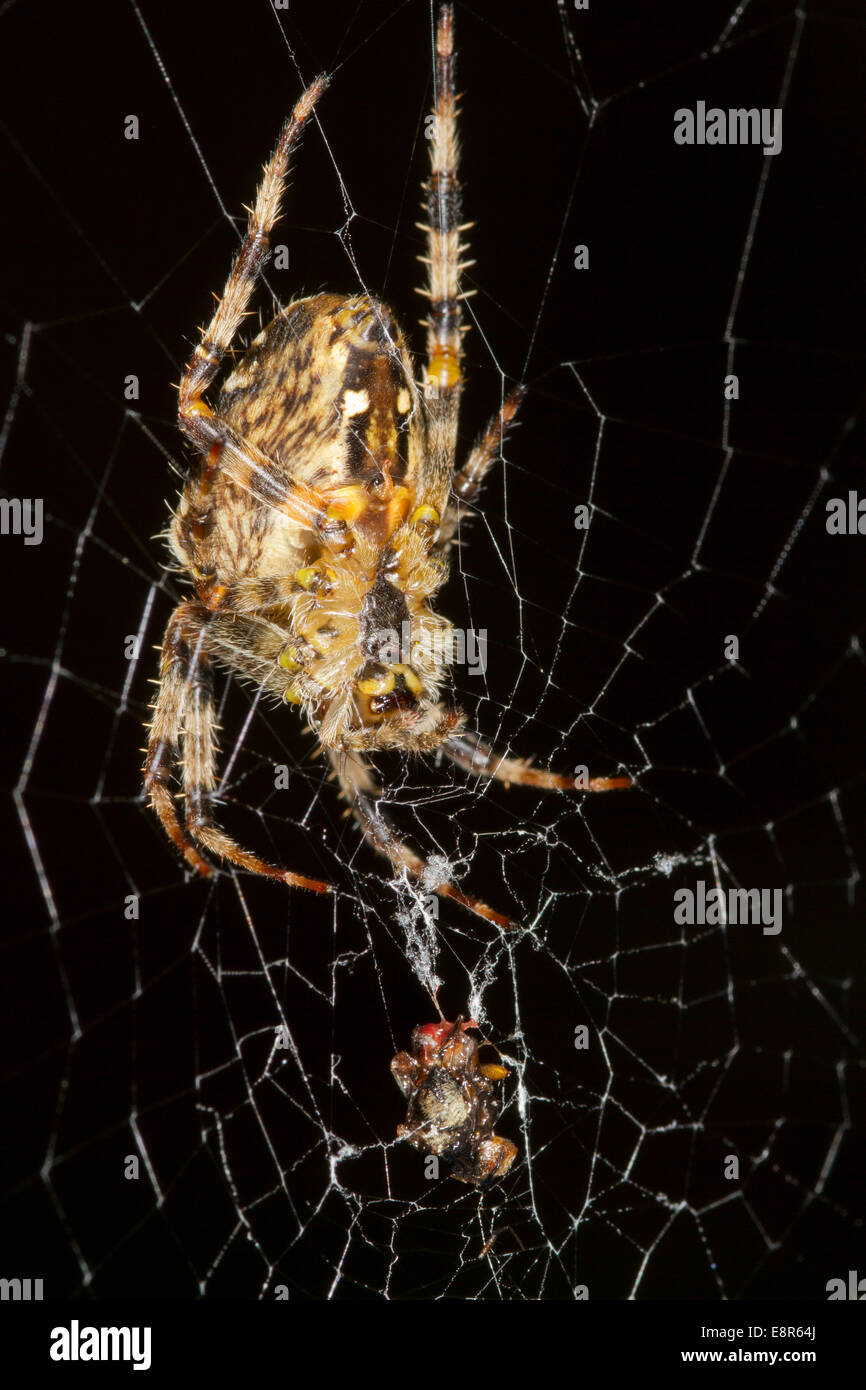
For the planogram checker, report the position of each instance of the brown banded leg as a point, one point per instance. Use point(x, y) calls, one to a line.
point(359, 789)
point(227, 453)
point(184, 714)
point(470, 752)
point(249, 596)
point(251, 469)
point(444, 318)
point(488, 449)
point(247, 268)
point(186, 627)
point(467, 482)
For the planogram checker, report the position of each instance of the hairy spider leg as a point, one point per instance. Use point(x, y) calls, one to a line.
point(185, 710)
point(488, 449)
point(443, 202)
point(360, 791)
point(445, 328)
point(247, 268)
point(227, 452)
point(467, 482)
point(470, 752)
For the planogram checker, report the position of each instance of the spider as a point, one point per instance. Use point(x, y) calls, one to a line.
point(316, 525)
point(451, 1104)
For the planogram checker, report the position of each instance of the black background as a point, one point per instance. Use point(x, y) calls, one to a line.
point(153, 1036)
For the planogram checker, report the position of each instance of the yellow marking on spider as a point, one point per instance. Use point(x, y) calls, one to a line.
point(322, 639)
point(308, 576)
point(289, 659)
point(378, 685)
point(412, 682)
point(347, 503)
point(444, 370)
point(355, 402)
point(398, 507)
point(425, 516)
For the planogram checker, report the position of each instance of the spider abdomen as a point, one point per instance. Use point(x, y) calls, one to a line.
point(327, 391)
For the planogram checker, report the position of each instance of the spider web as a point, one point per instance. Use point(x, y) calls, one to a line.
point(158, 1035)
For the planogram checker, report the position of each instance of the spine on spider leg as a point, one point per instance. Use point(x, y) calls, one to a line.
point(443, 228)
point(444, 206)
point(489, 447)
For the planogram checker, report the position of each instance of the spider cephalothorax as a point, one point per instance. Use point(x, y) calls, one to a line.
point(318, 522)
point(350, 634)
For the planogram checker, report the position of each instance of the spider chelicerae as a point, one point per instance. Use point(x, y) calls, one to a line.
point(317, 524)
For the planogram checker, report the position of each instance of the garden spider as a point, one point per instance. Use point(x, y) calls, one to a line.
point(317, 523)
